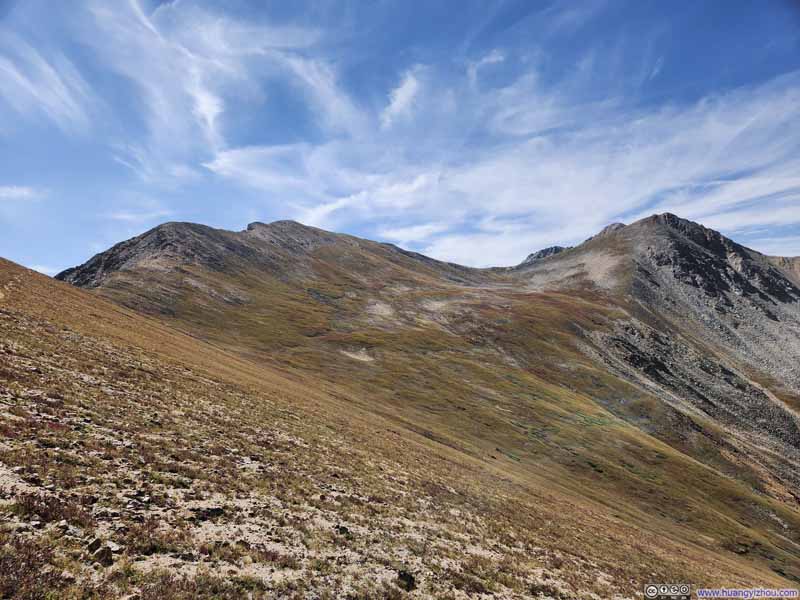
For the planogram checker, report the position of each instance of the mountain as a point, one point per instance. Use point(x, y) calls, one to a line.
point(670, 308)
point(139, 461)
point(662, 330)
point(630, 382)
point(789, 266)
point(543, 253)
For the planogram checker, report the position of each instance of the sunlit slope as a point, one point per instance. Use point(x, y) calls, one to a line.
point(201, 474)
point(523, 369)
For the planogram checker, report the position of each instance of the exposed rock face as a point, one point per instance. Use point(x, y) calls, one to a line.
point(790, 267)
point(710, 317)
point(733, 297)
point(607, 230)
point(162, 247)
point(543, 253)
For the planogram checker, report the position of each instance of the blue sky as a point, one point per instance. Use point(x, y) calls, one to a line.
point(472, 131)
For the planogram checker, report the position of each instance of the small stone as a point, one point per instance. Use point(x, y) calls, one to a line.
point(115, 548)
point(75, 532)
point(67, 577)
point(208, 513)
point(187, 556)
point(104, 556)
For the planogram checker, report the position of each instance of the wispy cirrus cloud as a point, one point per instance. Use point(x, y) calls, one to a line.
point(492, 58)
point(478, 144)
point(401, 98)
point(776, 245)
point(20, 192)
point(136, 209)
point(136, 217)
point(553, 166)
point(413, 234)
point(186, 65)
point(35, 85)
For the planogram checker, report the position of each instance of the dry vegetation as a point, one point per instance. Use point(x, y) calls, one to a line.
point(138, 462)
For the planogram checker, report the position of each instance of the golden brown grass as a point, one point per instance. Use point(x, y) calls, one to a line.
point(332, 489)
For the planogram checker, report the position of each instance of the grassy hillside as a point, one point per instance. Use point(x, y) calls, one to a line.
point(199, 472)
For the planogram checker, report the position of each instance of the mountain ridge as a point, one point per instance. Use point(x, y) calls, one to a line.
point(662, 330)
point(304, 236)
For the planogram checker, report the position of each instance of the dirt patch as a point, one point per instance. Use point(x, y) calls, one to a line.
point(380, 309)
point(361, 355)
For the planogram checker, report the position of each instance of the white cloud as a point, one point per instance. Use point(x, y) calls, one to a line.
point(492, 58)
point(138, 217)
point(35, 86)
point(137, 210)
point(475, 173)
point(569, 17)
point(186, 65)
point(17, 192)
point(401, 99)
point(488, 249)
point(337, 111)
point(775, 246)
point(45, 270)
point(278, 169)
point(377, 197)
point(656, 68)
point(414, 233)
point(782, 214)
point(549, 170)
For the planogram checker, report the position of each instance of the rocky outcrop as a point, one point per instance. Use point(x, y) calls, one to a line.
point(789, 266)
point(543, 253)
point(728, 295)
point(164, 246)
point(607, 230)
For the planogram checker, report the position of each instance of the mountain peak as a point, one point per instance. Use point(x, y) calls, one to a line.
point(543, 253)
point(609, 229)
point(708, 239)
point(671, 220)
point(290, 235)
point(283, 224)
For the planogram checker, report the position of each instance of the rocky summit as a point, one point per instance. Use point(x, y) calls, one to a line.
point(288, 412)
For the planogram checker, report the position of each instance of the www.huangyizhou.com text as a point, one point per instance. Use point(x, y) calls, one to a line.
point(747, 593)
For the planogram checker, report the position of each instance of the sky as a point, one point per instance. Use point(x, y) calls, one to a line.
point(474, 131)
